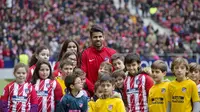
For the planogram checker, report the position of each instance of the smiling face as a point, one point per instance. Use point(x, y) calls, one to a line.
point(118, 64)
point(97, 40)
point(44, 54)
point(20, 75)
point(132, 68)
point(44, 71)
point(194, 75)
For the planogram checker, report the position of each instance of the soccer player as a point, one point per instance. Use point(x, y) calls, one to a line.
point(136, 84)
point(74, 100)
point(48, 90)
point(158, 94)
point(42, 52)
point(93, 56)
point(19, 96)
point(183, 93)
point(117, 61)
point(107, 103)
point(66, 69)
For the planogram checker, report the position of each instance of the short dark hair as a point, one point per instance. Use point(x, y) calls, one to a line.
point(132, 57)
point(107, 65)
point(117, 56)
point(119, 73)
point(70, 80)
point(159, 64)
point(108, 78)
point(96, 28)
point(194, 66)
point(78, 72)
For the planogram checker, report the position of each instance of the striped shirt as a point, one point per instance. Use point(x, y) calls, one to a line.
point(136, 90)
point(19, 97)
point(48, 92)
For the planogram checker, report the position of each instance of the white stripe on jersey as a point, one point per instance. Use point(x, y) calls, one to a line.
point(32, 70)
point(128, 95)
point(137, 102)
point(52, 96)
point(44, 101)
point(15, 93)
point(25, 95)
point(144, 94)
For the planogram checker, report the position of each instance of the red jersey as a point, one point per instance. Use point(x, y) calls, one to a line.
point(30, 72)
point(57, 73)
point(19, 97)
point(56, 65)
point(136, 89)
point(91, 60)
point(89, 87)
point(49, 92)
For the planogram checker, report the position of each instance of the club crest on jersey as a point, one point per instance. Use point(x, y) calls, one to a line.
point(110, 107)
point(106, 59)
point(184, 89)
point(47, 85)
point(81, 105)
point(137, 81)
point(26, 91)
point(163, 90)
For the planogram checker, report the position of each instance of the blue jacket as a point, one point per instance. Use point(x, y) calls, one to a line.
point(68, 103)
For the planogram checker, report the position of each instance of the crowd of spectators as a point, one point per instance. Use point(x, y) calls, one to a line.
point(26, 24)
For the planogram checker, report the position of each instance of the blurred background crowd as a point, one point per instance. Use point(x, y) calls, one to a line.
point(26, 24)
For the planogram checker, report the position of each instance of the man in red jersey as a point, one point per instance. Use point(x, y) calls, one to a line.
point(93, 56)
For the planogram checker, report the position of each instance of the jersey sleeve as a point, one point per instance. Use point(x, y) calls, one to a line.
point(149, 99)
point(56, 66)
point(195, 96)
point(149, 84)
point(33, 99)
point(120, 106)
point(90, 86)
point(58, 92)
point(125, 94)
point(5, 94)
point(85, 105)
point(84, 62)
point(62, 105)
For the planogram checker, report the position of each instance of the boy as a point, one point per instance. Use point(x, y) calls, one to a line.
point(107, 103)
point(119, 76)
point(136, 85)
point(66, 67)
point(105, 68)
point(87, 85)
point(158, 94)
point(117, 61)
point(74, 101)
point(97, 94)
point(183, 93)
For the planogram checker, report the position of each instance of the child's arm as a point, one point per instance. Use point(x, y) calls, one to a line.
point(34, 101)
point(62, 105)
point(58, 94)
point(195, 98)
point(196, 107)
point(4, 100)
point(120, 106)
point(85, 105)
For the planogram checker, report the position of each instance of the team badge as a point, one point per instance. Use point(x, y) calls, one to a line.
point(47, 85)
point(106, 59)
point(163, 90)
point(81, 105)
point(110, 107)
point(137, 81)
point(26, 91)
point(184, 89)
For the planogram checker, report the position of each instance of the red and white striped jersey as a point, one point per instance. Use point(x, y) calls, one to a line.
point(19, 97)
point(30, 73)
point(136, 90)
point(48, 92)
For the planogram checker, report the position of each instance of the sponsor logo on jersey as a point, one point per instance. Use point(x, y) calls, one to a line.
point(47, 85)
point(184, 89)
point(19, 98)
point(26, 91)
point(106, 59)
point(81, 105)
point(110, 107)
point(42, 93)
point(134, 91)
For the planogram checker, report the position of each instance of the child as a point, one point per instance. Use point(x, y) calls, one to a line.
point(107, 102)
point(194, 72)
point(183, 93)
point(136, 84)
point(105, 68)
point(66, 69)
point(74, 101)
point(119, 76)
point(117, 61)
point(97, 94)
point(42, 52)
point(68, 45)
point(19, 96)
point(48, 90)
point(158, 94)
point(87, 85)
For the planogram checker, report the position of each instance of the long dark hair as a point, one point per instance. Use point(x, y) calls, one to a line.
point(33, 59)
point(64, 48)
point(36, 76)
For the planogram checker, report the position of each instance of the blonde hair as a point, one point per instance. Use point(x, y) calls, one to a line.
point(179, 61)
